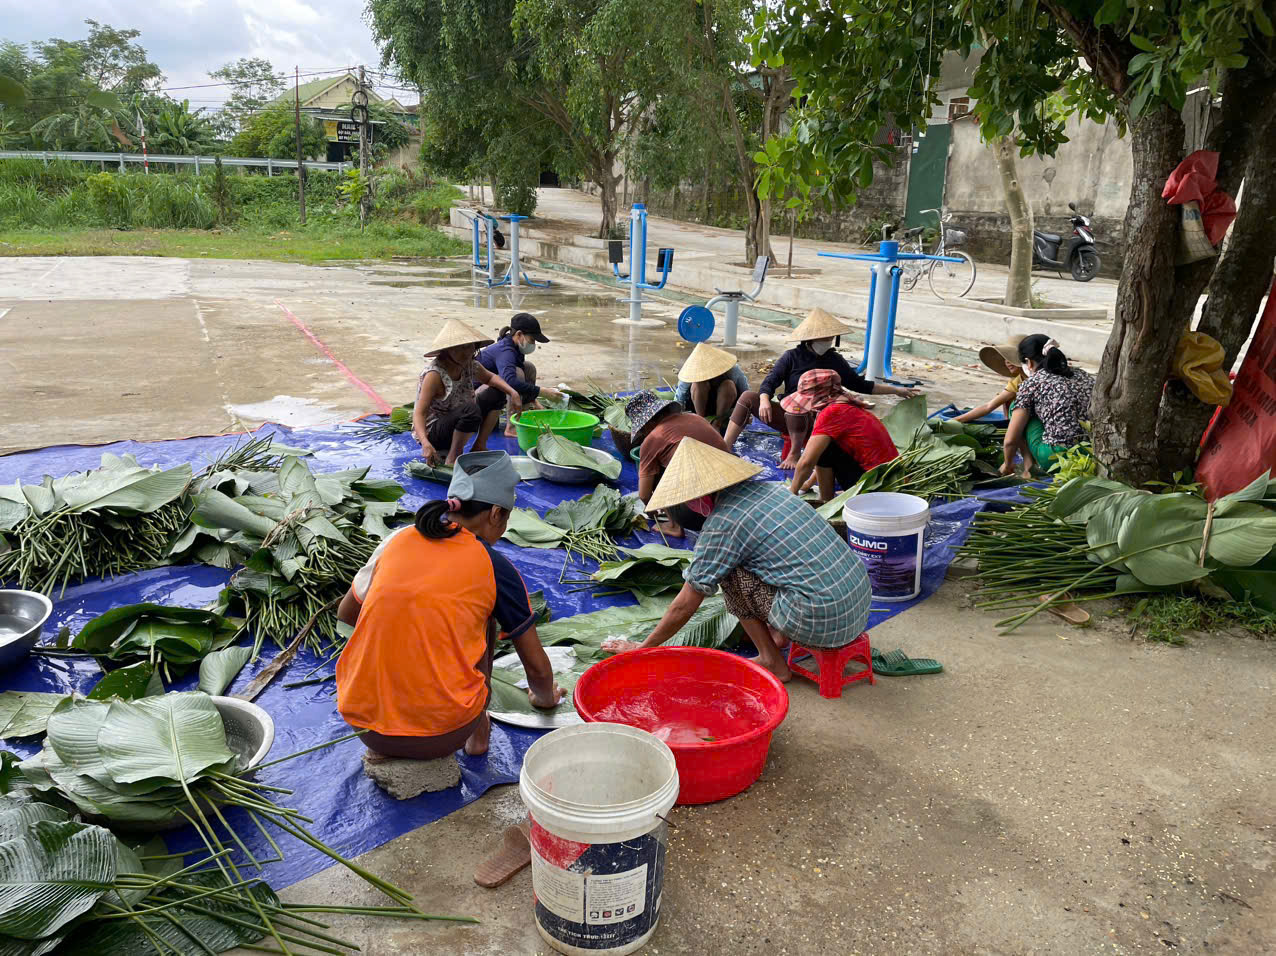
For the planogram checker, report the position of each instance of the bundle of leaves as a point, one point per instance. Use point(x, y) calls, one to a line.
point(646, 571)
point(397, 422)
point(712, 625)
point(583, 526)
point(300, 537)
point(112, 520)
point(170, 638)
point(1100, 538)
point(525, 467)
point(557, 450)
point(72, 886)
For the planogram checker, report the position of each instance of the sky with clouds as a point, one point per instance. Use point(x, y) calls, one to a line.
point(188, 38)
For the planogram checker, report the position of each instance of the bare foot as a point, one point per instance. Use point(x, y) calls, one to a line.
point(789, 463)
point(779, 669)
point(478, 743)
point(671, 529)
point(511, 431)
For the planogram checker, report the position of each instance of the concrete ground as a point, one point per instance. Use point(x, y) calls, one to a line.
point(1054, 791)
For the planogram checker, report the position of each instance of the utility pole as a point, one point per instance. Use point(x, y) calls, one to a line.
point(361, 103)
point(301, 170)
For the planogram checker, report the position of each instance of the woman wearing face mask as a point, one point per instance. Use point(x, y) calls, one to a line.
point(507, 357)
point(815, 338)
point(426, 609)
point(1051, 403)
point(447, 413)
point(783, 570)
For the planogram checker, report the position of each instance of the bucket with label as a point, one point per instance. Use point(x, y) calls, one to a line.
point(597, 794)
point(885, 529)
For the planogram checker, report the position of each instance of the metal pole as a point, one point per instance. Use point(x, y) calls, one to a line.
point(363, 151)
point(514, 264)
point(636, 256)
point(301, 173)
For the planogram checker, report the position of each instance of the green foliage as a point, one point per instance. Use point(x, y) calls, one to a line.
point(883, 72)
point(1169, 618)
point(220, 193)
point(517, 198)
point(254, 83)
point(272, 133)
point(174, 130)
point(1076, 462)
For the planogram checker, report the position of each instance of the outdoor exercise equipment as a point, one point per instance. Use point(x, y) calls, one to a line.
point(637, 274)
point(695, 323)
point(880, 336)
point(485, 266)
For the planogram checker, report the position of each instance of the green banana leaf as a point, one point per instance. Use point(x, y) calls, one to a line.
point(527, 529)
point(219, 669)
point(16, 817)
point(25, 713)
point(175, 737)
point(180, 636)
point(540, 607)
point(525, 467)
point(129, 683)
point(51, 874)
point(906, 420)
point(604, 507)
point(711, 625)
point(509, 683)
point(128, 489)
point(563, 451)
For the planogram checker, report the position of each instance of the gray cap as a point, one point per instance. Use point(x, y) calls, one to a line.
point(487, 476)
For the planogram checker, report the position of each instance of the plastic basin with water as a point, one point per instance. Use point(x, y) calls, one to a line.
point(576, 426)
point(716, 712)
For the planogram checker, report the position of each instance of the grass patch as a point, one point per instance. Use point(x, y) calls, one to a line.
point(311, 244)
point(1167, 618)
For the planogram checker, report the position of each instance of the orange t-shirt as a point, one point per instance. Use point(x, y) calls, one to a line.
point(411, 667)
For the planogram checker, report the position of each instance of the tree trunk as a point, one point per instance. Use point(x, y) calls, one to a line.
point(1241, 279)
point(1136, 360)
point(1019, 281)
point(607, 180)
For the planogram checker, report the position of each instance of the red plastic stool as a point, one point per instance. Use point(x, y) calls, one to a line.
point(831, 662)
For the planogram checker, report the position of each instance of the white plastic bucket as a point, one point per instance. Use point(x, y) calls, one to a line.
point(596, 793)
point(885, 529)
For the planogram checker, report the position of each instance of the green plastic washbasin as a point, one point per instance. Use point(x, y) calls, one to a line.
point(576, 426)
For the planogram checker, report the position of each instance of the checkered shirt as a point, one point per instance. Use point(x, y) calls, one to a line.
point(822, 590)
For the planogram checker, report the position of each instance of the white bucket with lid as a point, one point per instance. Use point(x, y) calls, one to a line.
point(596, 794)
point(886, 528)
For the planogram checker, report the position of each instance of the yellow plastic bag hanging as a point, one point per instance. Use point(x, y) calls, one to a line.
point(1198, 364)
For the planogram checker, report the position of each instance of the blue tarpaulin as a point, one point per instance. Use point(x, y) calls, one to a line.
point(350, 813)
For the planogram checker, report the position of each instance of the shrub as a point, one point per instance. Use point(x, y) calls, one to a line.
point(518, 199)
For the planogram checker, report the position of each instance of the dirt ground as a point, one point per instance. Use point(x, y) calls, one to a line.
point(1054, 791)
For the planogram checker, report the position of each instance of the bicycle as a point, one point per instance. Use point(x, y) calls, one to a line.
point(948, 280)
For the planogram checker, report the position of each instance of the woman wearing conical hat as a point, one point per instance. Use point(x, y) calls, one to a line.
point(814, 349)
point(709, 383)
point(447, 413)
point(783, 570)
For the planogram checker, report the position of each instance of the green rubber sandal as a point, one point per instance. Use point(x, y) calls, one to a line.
point(898, 664)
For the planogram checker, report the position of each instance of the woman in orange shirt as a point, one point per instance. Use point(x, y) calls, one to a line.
point(426, 610)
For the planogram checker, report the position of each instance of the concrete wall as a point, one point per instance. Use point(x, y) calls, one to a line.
point(1093, 169)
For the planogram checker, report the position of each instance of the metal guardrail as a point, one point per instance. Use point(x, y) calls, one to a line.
point(270, 165)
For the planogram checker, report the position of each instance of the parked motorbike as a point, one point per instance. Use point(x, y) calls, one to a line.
point(1075, 254)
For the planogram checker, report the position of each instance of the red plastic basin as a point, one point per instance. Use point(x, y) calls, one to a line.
point(716, 711)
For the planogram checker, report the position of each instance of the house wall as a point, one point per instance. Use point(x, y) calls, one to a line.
point(1093, 169)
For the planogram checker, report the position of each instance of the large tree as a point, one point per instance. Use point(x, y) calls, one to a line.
point(862, 66)
point(253, 83)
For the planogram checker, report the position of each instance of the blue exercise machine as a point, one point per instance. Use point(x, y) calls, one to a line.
point(637, 274)
point(695, 322)
point(880, 337)
point(485, 266)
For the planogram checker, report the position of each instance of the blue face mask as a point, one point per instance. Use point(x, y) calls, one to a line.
point(527, 348)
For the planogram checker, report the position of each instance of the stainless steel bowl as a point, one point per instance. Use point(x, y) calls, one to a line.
point(22, 617)
point(250, 731)
point(568, 474)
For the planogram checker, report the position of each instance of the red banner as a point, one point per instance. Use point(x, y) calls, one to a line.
point(1241, 443)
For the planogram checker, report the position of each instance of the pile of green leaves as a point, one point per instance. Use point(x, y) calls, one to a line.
point(118, 518)
point(300, 537)
point(646, 571)
point(712, 625)
point(509, 680)
point(397, 422)
point(172, 638)
point(583, 526)
point(150, 762)
point(557, 450)
point(1100, 538)
point(525, 467)
point(113, 520)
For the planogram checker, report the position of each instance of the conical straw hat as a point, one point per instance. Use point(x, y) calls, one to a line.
point(999, 358)
point(818, 325)
point(705, 362)
point(699, 469)
point(455, 332)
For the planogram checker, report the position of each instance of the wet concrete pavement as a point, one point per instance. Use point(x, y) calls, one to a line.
point(94, 350)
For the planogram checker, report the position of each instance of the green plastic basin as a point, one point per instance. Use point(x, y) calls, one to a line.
point(576, 426)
